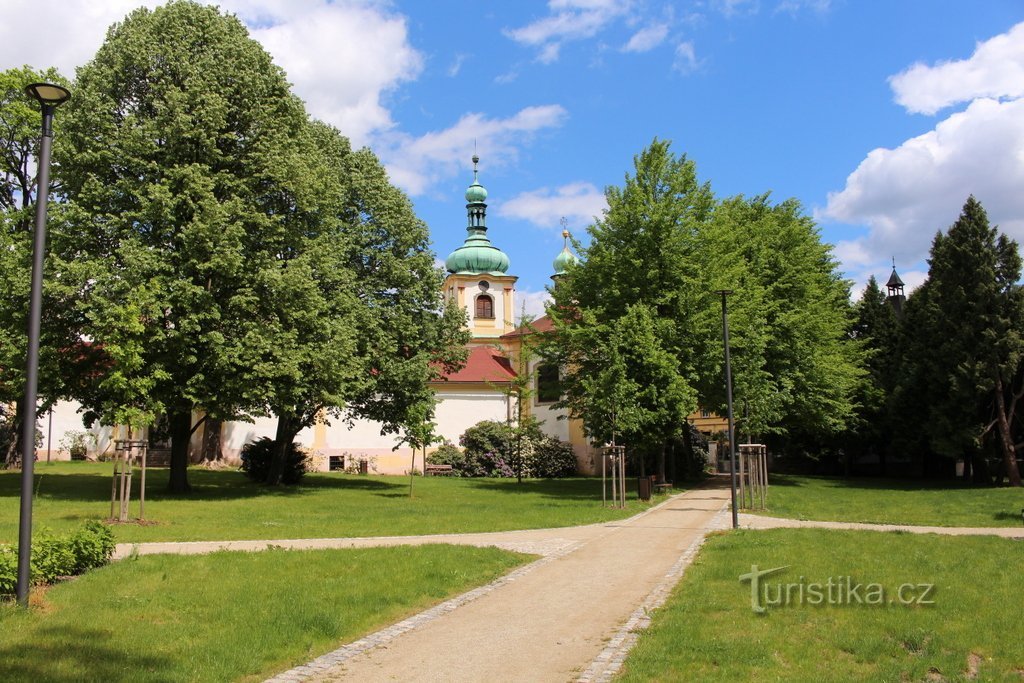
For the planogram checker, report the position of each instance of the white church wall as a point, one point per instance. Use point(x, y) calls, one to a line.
point(458, 411)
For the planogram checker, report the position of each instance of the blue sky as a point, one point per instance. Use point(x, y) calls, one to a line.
point(880, 117)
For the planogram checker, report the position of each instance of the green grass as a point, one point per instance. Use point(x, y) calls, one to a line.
point(708, 632)
point(224, 505)
point(886, 501)
point(228, 616)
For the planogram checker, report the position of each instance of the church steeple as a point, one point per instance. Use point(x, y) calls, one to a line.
point(477, 254)
point(566, 257)
point(896, 297)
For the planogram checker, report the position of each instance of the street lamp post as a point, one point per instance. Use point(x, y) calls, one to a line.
point(728, 394)
point(49, 97)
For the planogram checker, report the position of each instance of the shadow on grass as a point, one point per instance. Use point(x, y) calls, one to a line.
point(69, 654)
point(1010, 515)
point(871, 483)
point(564, 489)
point(206, 485)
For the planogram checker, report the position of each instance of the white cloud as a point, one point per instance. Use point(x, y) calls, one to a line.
point(647, 38)
point(532, 302)
point(731, 8)
point(416, 163)
point(904, 195)
point(456, 66)
point(686, 61)
point(545, 208)
point(324, 47)
point(795, 6)
point(567, 20)
point(996, 69)
point(75, 30)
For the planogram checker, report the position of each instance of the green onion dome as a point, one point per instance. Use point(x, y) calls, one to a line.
point(565, 258)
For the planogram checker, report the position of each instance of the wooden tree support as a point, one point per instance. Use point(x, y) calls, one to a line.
point(753, 476)
point(126, 451)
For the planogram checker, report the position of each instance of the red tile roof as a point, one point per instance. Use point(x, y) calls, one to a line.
point(485, 364)
point(542, 324)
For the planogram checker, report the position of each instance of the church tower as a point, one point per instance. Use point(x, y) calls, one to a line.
point(478, 276)
point(896, 297)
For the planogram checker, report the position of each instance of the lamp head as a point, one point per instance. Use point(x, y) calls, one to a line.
point(48, 94)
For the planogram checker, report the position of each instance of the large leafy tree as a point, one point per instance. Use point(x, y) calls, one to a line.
point(971, 340)
point(351, 323)
point(178, 166)
point(795, 369)
point(60, 353)
point(626, 317)
point(638, 322)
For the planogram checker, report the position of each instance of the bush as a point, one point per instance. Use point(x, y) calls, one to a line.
point(256, 457)
point(54, 557)
point(92, 546)
point(449, 454)
point(552, 459)
point(487, 446)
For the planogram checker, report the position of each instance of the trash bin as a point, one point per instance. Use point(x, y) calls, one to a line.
point(643, 488)
point(364, 467)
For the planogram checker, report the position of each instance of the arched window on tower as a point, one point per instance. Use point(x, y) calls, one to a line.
point(548, 388)
point(484, 307)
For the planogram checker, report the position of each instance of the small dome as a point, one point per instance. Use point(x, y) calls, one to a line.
point(476, 193)
point(565, 258)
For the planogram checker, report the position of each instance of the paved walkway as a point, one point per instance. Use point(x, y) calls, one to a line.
point(571, 615)
point(748, 521)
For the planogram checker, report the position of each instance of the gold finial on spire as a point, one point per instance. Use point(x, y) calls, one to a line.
point(565, 230)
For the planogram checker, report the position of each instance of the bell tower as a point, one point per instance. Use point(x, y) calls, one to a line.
point(478, 276)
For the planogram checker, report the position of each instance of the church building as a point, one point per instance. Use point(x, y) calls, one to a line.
point(479, 280)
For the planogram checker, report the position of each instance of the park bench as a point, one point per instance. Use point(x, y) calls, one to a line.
point(437, 469)
point(659, 485)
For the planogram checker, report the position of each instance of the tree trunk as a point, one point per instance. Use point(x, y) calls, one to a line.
point(287, 429)
point(661, 463)
point(1006, 436)
point(211, 440)
point(13, 450)
point(181, 430)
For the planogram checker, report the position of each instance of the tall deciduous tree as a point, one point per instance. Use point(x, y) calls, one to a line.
point(641, 268)
point(793, 364)
point(176, 158)
point(60, 353)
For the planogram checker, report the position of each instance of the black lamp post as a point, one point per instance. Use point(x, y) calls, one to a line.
point(728, 394)
point(50, 97)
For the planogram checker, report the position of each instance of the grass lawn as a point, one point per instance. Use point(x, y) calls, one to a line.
point(888, 501)
point(228, 616)
point(708, 632)
point(224, 505)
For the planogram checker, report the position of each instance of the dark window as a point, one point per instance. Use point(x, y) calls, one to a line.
point(484, 307)
point(548, 388)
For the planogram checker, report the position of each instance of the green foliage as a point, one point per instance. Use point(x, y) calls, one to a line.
point(55, 557)
point(59, 372)
point(552, 459)
point(93, 546)
point(449, 454)
point(488, 448)
point(257, 456)
point(639, 325)
point(962, 347)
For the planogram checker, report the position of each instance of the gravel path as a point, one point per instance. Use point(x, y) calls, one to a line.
point(572, 615)
point(748, 521)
